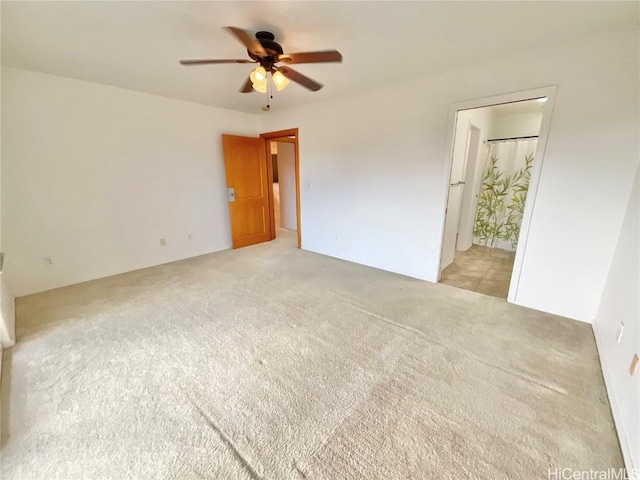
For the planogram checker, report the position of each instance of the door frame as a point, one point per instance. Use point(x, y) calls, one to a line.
point(283, 136)
point(549, 92)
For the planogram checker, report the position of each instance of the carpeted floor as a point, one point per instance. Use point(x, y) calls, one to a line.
point(271, 362)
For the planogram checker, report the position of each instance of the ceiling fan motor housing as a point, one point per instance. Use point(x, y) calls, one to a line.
point(273, 49)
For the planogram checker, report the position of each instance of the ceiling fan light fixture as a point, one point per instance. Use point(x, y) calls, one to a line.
point(280, 80)
point(258, 76)
point(260, 86)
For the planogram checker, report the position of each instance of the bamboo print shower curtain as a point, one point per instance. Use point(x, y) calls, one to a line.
point(503, 192)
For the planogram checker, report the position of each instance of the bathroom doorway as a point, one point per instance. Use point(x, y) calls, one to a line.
point(493, 160)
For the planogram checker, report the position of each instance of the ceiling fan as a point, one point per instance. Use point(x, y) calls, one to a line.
point(264, 50)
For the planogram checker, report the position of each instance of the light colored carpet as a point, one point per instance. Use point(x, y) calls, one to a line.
point(271, 362)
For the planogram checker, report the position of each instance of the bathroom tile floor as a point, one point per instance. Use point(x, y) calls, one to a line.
point(481, 269)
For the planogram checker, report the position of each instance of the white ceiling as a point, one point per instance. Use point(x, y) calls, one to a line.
point(137, 44)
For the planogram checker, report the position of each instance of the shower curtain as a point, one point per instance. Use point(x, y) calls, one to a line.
point(503, 193)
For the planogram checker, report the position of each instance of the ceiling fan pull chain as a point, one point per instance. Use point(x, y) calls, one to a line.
point(267, 107)
point(270, 88)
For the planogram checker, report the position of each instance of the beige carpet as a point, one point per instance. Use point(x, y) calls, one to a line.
point(271, 362)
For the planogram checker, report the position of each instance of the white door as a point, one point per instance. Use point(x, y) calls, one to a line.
point(469, 201)
point(451, 225)
point(456, 190)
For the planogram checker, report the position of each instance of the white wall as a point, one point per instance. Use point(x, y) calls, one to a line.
point(374, 169)
point(287, 184)
point(93, 176)
point(620, 303)
point(7, 302)
point(516, 125)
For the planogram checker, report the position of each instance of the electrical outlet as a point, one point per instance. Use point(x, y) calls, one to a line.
point(163, 242)
point(48, 261)
point(619, 333)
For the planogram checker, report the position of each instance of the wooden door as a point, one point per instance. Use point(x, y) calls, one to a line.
point(246, 169)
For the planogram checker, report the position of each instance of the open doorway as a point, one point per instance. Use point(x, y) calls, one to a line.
point(249, 172)
point(283, 172)
point(284, 184)
point(493, 162)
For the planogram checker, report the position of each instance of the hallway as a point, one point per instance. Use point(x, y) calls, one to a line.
point(481, 269)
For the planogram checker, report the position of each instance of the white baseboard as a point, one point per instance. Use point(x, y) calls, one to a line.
point(632, 470)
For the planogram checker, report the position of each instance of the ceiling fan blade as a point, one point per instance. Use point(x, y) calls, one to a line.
point(247, 86)
point(300, 78)
point(211, 62)
point(311, 57)
point(252, 44)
